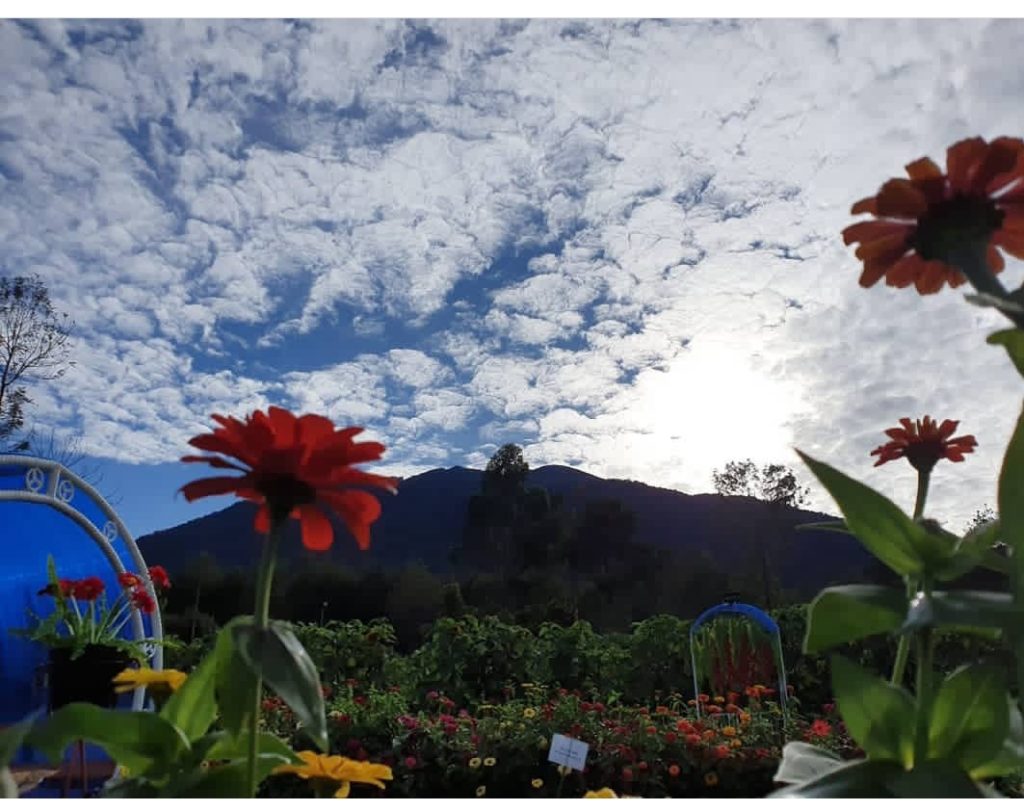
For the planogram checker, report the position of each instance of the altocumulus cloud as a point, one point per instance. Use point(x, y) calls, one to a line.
point(614, 242)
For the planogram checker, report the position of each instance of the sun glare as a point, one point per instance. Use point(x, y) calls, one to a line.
point(714, 404)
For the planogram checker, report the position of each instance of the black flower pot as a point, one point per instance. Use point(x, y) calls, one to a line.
point(89, 678)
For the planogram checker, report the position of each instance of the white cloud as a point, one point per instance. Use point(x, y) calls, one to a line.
point(614, 242)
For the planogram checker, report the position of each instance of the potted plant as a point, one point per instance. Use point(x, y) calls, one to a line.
point(83, 633)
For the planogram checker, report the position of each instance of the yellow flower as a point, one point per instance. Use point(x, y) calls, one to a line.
point(481, 791)
point(744, 717)
point(711, 780)
point(729, 732)
point(489, 761)
point(529, 712)
point(719, 699)
point(474, 763)
point(537, 782)
point(338, 770)
point(158, 682)
point(542, 742)
point(735, 743)
point(601, 794)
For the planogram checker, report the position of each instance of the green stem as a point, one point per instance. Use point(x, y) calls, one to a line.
point(261, 621)
point(903, 649)
point(925, 648)
point(973, 263)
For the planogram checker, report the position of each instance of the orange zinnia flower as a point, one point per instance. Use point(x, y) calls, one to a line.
point(293, 466)
point(924, 443)
point(924, 225)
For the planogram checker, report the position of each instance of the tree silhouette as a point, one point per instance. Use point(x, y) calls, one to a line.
point(33, 344)
point(774, 484)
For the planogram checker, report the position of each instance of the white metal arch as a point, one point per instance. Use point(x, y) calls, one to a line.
point(50, 483)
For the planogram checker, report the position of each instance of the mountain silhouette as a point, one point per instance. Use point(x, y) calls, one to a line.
point(425, 520)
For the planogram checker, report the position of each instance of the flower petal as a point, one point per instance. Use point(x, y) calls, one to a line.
point(923, 168)
point(317, 533)
point(900, 198)
point(213, 486)
point(962, 158)
point(357, 508)
point(869, 230)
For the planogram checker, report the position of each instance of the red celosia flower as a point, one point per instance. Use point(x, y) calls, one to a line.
point(141, 599)
point(88, 589)
point(924, 224)
point(158, 574)
point(297, 466)
point(821, 728)
point(129, 580)
point(924, 443)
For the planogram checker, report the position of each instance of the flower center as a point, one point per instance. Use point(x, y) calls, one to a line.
point(924, 454)
point(285, 493)
point(949, 226)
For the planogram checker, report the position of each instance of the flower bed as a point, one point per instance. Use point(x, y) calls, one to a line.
point(439, 748)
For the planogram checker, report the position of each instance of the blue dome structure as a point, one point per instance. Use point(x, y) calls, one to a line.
point(45, 510)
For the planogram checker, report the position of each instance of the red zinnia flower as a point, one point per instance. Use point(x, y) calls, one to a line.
point(158, 574)
point(129, 580)
point(295, 466)
point(924, 224)
point(694, 739)
point(87, 589)
point(141, 599)
point(673, 770)
point(721, 752)
point(924, 443)
point(670, 737)
point(821, 728)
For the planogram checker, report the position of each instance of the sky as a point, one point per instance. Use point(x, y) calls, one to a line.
point(615, 243)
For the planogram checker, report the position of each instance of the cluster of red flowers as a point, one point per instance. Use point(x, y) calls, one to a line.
point(138, 596)
point(91, 588)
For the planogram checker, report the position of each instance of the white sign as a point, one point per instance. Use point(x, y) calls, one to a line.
point(568, 752)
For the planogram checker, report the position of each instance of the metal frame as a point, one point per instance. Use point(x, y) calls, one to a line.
point(754, 614)
point(60, 485)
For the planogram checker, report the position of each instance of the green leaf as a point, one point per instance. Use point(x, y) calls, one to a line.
point(1011, 499)
point(229, 779)
point(971, 612)
point(12, 737)
point(879, 716)
point(288, 671)
point(934, 779)
point(861, 778)
point(969, 721)
point(225, 747)
point(802, 762)
point(235, 682)
point(193, 707)
point(136, 740)
point(1013, 341)
point(844, 614)
point(1010, 757)
point(886, 532)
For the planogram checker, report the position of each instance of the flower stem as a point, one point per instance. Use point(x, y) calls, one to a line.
point(261, 618)
point(903, 649)
point(973, 263)
point(924, 651)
